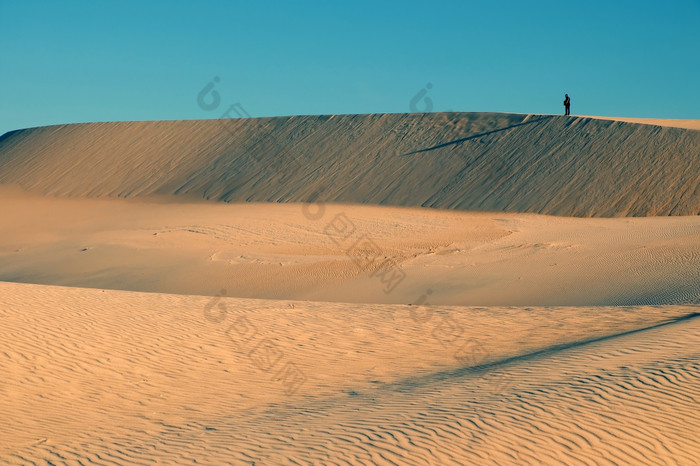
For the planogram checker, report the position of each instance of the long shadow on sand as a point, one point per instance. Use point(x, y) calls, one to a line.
point(475, 136)
point(411, 383)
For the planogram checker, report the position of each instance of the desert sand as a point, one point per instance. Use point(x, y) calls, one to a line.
point(546, 164)
point(670, 122)
point(353, 289)
point(307, 252)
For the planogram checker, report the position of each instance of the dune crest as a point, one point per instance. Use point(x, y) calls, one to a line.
point(568, 166)
point(670, 122)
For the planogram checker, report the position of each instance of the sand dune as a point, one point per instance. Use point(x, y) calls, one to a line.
point(570, 166)
point(375, 289)
point(124, 377)
point(673, 123)
point(277, 251)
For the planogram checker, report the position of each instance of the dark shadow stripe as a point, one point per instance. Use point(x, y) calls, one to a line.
point(475, 136)
point(410, 383)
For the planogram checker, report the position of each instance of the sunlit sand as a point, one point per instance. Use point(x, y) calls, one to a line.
point(357, 289)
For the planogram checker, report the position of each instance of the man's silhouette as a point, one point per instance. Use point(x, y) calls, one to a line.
point(567, 105)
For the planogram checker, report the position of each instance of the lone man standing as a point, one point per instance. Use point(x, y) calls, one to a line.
point(567, 104)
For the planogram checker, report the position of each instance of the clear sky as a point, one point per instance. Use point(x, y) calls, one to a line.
point(68, 61)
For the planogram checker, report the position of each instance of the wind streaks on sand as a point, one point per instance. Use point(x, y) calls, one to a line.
point(547, 164)
point(117, 377)
point(350, 373)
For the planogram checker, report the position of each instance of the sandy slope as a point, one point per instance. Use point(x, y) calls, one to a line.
point(469, 161)
point(124, 377)
point(674, 123)
point(388, 334)
point(291, 251)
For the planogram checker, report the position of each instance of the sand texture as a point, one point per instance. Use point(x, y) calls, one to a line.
point(443, 289)
point(569, 166)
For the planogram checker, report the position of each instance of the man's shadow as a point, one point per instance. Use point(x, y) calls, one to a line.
point(476, 136)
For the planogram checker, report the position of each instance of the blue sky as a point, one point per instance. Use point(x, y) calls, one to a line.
point(65, 62)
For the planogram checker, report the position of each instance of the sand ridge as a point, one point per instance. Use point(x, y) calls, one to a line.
point(669, 122)
point(548, 164)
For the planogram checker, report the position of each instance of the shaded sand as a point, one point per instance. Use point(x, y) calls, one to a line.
point(569, 166)
point(347, 253)
point(125, 377)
